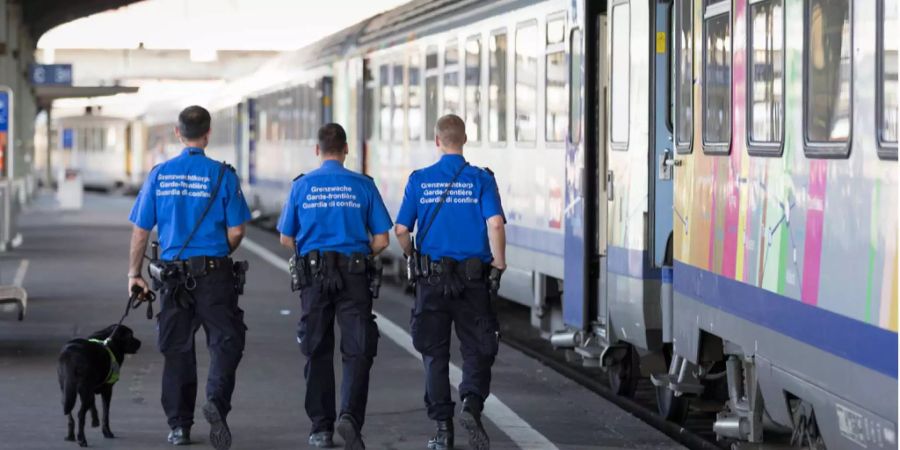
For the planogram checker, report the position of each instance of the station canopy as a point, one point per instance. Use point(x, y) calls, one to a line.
point(42, 15)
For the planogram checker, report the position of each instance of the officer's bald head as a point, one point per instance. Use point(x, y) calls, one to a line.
point(332, 140)
point(450, 132)
point(193, 122)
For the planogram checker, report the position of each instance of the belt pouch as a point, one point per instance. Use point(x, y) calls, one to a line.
point(357, 264)
point(196, 266)
point(474, 269)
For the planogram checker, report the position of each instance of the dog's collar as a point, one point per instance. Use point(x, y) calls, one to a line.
point(113, 375)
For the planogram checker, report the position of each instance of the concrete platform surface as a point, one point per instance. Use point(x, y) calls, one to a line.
point(75, 276)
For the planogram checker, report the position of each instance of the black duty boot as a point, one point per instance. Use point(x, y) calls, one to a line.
point(443, 437)
point(349, 430)
point(180, 436)
point(470, 418)
point(219, 434)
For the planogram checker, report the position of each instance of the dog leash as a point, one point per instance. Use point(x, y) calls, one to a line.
point(134, 301)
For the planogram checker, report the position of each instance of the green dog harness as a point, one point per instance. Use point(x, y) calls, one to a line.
point(113, 375)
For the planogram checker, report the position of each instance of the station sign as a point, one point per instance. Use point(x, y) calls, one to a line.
point(68, 138)
point(51, 74)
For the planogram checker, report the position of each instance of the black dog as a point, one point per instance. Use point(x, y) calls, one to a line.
point(91, 366)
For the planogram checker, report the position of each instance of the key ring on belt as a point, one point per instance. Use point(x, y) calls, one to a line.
point(190, 283)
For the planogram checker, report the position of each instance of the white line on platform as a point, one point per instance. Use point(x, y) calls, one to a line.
point(20, 273)
point(518, 430)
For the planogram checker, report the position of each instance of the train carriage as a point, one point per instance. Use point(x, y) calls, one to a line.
point(686, 187)
point(785, 255)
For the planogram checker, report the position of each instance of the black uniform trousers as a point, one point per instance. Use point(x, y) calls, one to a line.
point(478, 333)
point(352, 305)
point(214, 306)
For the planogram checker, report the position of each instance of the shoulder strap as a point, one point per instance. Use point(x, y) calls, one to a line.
point(212, 199)
point(420, 236)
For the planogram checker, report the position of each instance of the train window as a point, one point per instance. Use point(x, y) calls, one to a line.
point(497, 87)
point(620, 83)
point(369, 101)
point(555, 98)
point(575, 49)
point(684, 76)
point(887, 86)
point(473, 88)
point(384, 80)
point(827, 104)
point(451, 79)
point(399, 102)
point(526, 81)
point(717, 78)
point(414, 112)
point(431, 92)
point(765, 86)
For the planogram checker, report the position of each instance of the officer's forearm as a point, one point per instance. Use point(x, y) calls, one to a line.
point(139, 238)
point(497, 238)
point(235, 236)
point(379, 242)
point(403, 239)
point(288, 242)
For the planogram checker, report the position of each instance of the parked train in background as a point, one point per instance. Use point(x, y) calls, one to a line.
point(105, 150)
point(691, 196)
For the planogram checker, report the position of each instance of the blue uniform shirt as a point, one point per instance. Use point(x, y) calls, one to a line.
point(459, 230)
point(174, 196)
point(333, 209)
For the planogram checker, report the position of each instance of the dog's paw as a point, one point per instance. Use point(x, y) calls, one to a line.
point(108, 434)
point(82, 442)
point(70, 437)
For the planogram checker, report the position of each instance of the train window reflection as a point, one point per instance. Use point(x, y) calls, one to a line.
point(888, 42)
point(497, 88)
point(555, 98)
point(431, 92)
point(451, 79)
point(414, 112)
point(575, 92)
point(828, 65)
point(766, 78)
point(369, 101)
point(620, 77)
point(684, 76)
point(399, 102)
point(526, 82)
point(473, 88)
point(384, 73)
point(717, 84)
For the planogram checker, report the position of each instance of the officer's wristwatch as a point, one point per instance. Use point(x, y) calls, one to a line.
point(134, 275)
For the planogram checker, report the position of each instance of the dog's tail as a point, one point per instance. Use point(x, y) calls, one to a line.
point(68, 383)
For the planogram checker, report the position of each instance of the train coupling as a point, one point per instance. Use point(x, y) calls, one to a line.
point(579, 345)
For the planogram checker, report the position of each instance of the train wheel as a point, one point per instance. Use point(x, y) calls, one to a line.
point(672, 408)
point(624, 374)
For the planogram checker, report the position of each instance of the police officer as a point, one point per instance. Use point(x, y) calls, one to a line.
point(461, 255)
point(336, 222)
point(200, 212)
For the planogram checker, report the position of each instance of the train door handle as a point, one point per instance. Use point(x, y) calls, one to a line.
point(609, 185)
point(667, 165)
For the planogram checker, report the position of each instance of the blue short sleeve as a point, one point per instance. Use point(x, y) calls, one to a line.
point(490, 199)
point(289, 223)
point(236, 210)
point(143, 213)
point(408, 209)
point(379, 220)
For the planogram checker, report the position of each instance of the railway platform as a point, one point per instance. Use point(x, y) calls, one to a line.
point(73, 266)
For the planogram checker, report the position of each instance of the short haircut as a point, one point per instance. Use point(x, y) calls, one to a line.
point(193, 122)
point(451, 131)
point(332, 139)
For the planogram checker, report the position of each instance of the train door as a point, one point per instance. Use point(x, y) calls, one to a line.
point(584, 210)
point(662, 165)
point(600, 94)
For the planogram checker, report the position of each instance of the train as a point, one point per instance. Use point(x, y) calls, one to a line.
point(699, 192)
